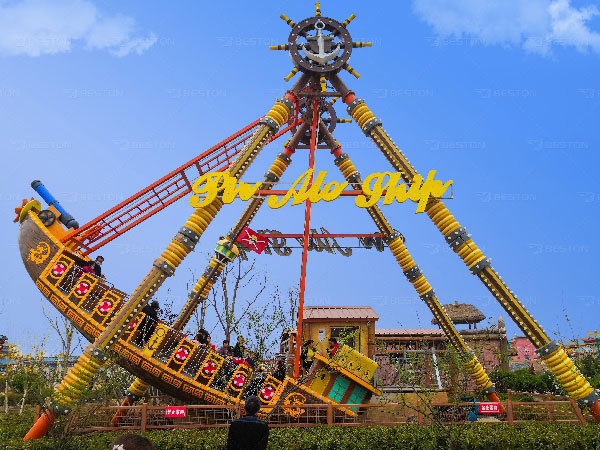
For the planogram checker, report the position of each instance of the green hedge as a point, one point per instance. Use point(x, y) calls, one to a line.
point(525, 381)
point(536, 436)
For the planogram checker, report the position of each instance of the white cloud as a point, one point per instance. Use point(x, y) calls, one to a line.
point(38, 27)
point(535, 25)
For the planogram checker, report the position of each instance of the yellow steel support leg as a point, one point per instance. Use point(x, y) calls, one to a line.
point(200, 291)
point(456, 236)
point(80, 375)
point(417, 279)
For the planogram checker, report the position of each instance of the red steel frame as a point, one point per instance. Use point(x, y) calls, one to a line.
point(162, 193)
point(324, 235)
point(267, 192)
point(311, 165)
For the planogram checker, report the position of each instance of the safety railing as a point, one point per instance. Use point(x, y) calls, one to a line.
point(146, 417)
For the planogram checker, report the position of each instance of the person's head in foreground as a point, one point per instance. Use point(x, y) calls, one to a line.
point(132, 442)
point(252, 405)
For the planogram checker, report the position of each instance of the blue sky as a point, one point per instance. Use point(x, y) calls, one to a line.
point(100, 99)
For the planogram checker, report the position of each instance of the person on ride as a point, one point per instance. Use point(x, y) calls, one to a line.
point(280, 371)
point(94, 267)
point(90, 267)
point(200, 338)
point(148, 323)
point(208, 341)
point(225, 350)
point(98, 265)
point(307, 355)
point(333, 347)
point(251, 359)
point(239, 350)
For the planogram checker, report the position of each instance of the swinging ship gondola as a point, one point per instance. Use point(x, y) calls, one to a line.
point(168, 359)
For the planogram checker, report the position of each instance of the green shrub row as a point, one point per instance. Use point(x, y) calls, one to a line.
point(525, 381)
point(538, 436)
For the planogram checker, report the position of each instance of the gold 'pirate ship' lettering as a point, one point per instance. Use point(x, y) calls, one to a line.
point(211, 184)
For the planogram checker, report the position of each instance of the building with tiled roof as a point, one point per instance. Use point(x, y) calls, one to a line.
point(343, 313)
point(352, 325)
point(392, 348)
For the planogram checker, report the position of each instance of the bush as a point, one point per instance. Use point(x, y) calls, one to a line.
point(589, 366)
point(458, 437)
point(525, 381)
point(595, 381)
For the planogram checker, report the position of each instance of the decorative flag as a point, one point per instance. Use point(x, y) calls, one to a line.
point(252, 240)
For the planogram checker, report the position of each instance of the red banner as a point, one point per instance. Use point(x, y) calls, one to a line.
point(489, 408)
point(252, 240)
point(175, 411)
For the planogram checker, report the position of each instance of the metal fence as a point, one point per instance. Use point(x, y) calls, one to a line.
point(547, 408)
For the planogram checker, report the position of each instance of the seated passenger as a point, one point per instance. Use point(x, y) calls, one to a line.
point(209, 344)
point(280, 372)
point(251, 359)
point(98, 265)
point(239, 350)
point(148, 323)
point(200, 338)
point(333, 347)
point(307, 355)
point(225, 350)
point(89, 268)
point(93, 267)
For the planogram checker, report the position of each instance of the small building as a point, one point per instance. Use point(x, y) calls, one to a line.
point(396, 350)
point(524, 350)
point(353, 326)
point(417, 351)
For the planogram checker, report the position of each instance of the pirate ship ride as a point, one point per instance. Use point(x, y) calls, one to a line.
point(54, 248)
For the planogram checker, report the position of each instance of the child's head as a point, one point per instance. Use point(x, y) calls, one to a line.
point(132, 442)
point(332, 341)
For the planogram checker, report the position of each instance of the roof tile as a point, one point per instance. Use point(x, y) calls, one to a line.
point(409, 332)
point(339, 312)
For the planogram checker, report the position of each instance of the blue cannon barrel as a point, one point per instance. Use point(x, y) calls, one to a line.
point(65, 218)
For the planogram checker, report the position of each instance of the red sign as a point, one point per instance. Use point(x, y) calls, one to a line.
point(175, 411)
point(252, 240)
point(489, 408)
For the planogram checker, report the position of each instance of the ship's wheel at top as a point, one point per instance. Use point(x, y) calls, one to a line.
point(319, 45)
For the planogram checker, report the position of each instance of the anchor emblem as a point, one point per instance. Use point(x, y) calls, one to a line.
point(324, 42)
point(40, 253)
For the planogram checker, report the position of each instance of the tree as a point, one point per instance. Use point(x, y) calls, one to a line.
point(292, 306)
point(261, 323)
point(69, 337)
point(26, 376)
point(234, 280)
